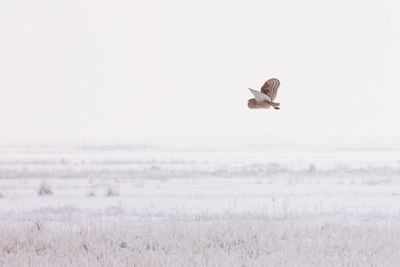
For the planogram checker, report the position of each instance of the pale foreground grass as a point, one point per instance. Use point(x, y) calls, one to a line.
point(230, 239)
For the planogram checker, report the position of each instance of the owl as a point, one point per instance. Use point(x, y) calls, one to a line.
point(265, 98)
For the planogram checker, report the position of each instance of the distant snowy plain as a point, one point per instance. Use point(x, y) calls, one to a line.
point(198, 205)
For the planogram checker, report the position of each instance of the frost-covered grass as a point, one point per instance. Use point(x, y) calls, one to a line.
point(145, 206)
point(245, 239)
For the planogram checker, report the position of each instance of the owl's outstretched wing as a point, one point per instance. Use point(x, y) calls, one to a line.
point(260, 97)
point(270, 88)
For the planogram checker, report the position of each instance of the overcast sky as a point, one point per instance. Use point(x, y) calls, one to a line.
point(93, 69)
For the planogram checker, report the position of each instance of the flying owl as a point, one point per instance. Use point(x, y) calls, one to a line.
point(265, 98)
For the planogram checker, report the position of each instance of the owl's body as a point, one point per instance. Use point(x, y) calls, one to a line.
point(265, 98)
point(253, 104)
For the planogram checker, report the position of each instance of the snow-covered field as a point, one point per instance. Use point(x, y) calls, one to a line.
point(171, 205)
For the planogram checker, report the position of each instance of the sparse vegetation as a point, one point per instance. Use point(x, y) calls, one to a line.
point(45, 189)
point(91, 193)
point(112, 191)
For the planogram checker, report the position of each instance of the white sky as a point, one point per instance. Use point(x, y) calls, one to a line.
point(90, 69)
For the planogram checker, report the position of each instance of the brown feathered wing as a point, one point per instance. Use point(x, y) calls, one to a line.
point(270, 88)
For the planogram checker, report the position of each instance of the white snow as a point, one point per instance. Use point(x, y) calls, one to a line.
point(152, 205)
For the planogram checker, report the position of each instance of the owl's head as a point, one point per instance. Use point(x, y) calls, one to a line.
point(250, 103)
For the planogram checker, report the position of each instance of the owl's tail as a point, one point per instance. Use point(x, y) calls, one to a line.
point(275, 105)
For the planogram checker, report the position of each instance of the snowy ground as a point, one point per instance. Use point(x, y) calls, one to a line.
point(141, 205)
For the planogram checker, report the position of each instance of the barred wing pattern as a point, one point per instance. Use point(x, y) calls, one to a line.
point(270, 88)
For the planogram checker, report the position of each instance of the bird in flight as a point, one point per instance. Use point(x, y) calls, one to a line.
point(265, 98)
